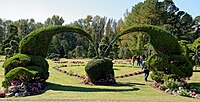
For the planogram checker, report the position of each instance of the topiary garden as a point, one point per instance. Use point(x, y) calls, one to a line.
point(29, 65)
point(171, 60)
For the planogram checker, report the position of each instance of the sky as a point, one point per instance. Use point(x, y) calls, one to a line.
point(72, 10)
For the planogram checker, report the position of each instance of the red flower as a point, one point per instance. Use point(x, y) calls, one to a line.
point(193, 94)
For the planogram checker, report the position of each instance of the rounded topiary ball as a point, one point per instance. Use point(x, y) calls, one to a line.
point(100, 69)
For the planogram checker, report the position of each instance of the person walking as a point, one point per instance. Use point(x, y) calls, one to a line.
point(133, 60)
point(138, 61)
point(146, 71)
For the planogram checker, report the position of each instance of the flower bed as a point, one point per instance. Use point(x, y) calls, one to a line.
point(18, 88)
point(178, 90)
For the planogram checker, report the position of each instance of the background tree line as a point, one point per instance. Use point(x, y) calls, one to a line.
point(164, 14)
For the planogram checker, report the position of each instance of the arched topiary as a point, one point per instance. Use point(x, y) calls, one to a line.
point(30, 63)
point(100, 71)
point(170, 62)
point(161, 40)
point(37, 42)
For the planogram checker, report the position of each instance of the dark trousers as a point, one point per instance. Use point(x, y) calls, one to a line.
point(146, 74)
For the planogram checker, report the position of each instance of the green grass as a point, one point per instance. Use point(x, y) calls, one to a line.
point(67, 88)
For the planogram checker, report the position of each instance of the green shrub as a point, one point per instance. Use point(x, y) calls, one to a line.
point(18, 60)
point(171, 84)
point(184, 92)
point(25, 67)
point(161, 40)
point(171, 59)
point(157, 76)
point(23, 60)
point(20, 73)
point(172, 66)
point(180, 66)
point(98, 69)
point(184, 48)
point(39, 62)
point(158, 62)
point(25, 74)
point(30, 63)
point(37, 42)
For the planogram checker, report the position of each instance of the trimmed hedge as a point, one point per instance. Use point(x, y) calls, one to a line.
point(171, 60)
point(164, 67)
point(100, 69)
point(16, 61)
point(23, 60)
point(37, 42)
point(180, 66)
point(30, 63)
point(161, 40)
point(158, 62)
point(20, 73)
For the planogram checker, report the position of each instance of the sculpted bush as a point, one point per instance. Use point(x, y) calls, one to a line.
point(171, 60)
point(100, 70)
point(30, 64)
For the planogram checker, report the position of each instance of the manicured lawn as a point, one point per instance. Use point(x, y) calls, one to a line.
point(62, 87)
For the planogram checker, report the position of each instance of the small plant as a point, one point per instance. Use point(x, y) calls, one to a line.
point(171, 84)
point(184, 92)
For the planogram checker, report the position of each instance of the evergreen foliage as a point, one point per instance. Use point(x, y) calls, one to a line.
point(171, 60)
point(91, 51)
point(10, 44)
point(30, 63)
point(37, 42)
point(161, 40)
point(100, 69)
point(164, 67)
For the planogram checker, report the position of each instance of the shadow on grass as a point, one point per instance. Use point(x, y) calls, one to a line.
point(196, 86)
point(196, 70)
point(58, 87)
point(116, 69)
point(125, 84)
